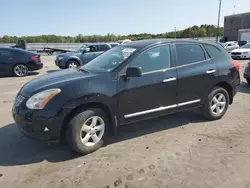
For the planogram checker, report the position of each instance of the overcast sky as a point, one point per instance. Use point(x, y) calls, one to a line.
point(87, 17)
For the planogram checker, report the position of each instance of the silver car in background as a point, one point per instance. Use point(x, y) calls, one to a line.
point(231, 45)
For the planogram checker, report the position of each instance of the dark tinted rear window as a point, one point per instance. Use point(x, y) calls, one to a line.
point(189, 53)
point(212, 50)
point(103, 47)
point(6, 52)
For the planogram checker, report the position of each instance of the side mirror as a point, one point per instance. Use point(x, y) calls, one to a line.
point(133, 72)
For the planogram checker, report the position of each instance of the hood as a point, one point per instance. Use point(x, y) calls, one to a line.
point(53, 80)
point(241, 50)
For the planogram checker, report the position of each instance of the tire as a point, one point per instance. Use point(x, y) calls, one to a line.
point(20, 70)
point(81, 141)
point(211, 107)
point(248, 81)
point(72, 64)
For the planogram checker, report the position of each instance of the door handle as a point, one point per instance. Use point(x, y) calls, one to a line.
point(210, 71)
point(169, 79)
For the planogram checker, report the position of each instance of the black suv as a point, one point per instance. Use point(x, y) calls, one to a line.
point(130, 82)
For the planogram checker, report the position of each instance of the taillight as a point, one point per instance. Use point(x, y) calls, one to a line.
point(35, 58)
point(236, 65)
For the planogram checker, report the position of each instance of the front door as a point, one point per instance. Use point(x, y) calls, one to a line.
point(196, 74)
point(89, 54)
point(155, 92)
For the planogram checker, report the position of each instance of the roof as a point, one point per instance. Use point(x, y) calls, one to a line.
point(150, 42)
point(238, 15)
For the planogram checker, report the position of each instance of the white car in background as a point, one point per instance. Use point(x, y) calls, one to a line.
point(230, 45)
point(241, 53)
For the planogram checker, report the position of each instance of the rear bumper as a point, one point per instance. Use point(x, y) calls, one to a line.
point(34, 66)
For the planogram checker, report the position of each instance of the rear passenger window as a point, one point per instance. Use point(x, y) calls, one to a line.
point(5, 53)
point(212, 50)
point(189, 53)
point(103, 48)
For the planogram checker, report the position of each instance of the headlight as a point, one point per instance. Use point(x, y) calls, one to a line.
point(245, 52)
point(39, 100)
point(60, 58)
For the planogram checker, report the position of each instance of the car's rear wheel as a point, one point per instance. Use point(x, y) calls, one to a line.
point(87, 130)
point(72, 64)
point(20, 70)
point(216, 104)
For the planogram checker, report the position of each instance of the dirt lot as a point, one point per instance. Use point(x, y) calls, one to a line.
point(180, 150)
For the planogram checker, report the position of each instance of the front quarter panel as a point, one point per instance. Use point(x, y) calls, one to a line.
point(99, 89)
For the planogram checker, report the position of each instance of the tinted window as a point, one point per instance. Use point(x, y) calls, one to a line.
point(103, 47)
point(91, 49)
point(5, 52)
point(153, 59)
point(189, 53)
point(212, 50)
point(113, 45)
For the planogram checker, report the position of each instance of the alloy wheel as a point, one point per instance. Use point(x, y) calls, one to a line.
point(218, 104)
point(20, 70)
point(72, 64)
point(92, 131)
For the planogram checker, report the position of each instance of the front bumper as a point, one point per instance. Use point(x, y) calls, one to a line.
point(240, 56)
point(60, 64)
point(246, 74)
point(38, 124)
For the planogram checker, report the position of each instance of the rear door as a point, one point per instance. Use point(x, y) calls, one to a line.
point(196, 74)
point(7, 60)
point(102, 48)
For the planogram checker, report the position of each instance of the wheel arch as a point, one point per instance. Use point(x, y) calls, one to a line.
point(105, 108)
point(228, 88)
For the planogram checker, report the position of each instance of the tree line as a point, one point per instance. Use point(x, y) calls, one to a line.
point(191, 32)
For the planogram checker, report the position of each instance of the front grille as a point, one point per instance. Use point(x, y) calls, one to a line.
point(19, 100)
point(236, 53)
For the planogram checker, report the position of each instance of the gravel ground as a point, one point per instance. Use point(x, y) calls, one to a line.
point(181, 150)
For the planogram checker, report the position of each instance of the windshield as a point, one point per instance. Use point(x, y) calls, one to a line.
point(109, 60)
point(79, 50)
point(246, 46)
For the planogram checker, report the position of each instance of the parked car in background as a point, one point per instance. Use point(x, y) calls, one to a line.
point(82, 55)
point(231, 45)
point(247, 73)
point(242, 43)
point(241, 53)
point(128, 83)
point(18, 62)
point(113, 44)
point(124, 41)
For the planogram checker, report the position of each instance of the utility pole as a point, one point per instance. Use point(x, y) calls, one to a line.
point(218, 25)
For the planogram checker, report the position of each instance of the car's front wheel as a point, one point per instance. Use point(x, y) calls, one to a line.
point(87, 130)
point(72, 64)
point(216, 104)
point(20, 70)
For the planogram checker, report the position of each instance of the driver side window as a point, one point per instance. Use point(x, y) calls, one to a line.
point(154, 59)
